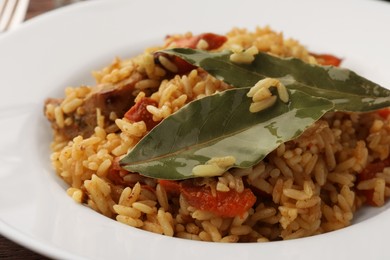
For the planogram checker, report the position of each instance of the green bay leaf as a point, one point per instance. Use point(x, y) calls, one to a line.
point(221, 125)
point(346, 89)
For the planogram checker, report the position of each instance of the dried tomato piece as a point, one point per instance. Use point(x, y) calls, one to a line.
point(181, 65)
point(384, 113)
point(214, 41)
point(172, 187)
point(327, 59)
point(225, 204)
point(138, 112)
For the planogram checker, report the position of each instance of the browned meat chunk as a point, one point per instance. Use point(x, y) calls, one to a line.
point(111, 99)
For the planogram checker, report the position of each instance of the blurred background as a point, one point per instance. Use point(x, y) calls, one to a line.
point(37, 7)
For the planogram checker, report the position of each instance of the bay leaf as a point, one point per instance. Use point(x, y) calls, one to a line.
point(346, 89)
point(221, 125)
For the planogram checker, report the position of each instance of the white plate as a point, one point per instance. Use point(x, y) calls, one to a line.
point(61, 48)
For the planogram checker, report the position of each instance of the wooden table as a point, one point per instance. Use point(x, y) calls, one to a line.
point(9, 249)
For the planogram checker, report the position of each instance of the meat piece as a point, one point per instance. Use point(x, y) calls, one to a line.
point(117, 98)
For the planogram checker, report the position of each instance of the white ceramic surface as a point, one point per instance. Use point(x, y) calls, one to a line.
point(60, 49)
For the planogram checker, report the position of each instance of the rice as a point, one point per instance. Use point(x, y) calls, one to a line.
point(308, 186)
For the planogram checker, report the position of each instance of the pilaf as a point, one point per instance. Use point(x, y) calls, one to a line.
point(307, 186)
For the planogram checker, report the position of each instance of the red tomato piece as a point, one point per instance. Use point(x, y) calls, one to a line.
point(384, 113)
point(149, 188)
point(214, 41)
point(170, 186)
point(224, 204)
point(182, 66)
point(138, 112)
point(327, 59)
